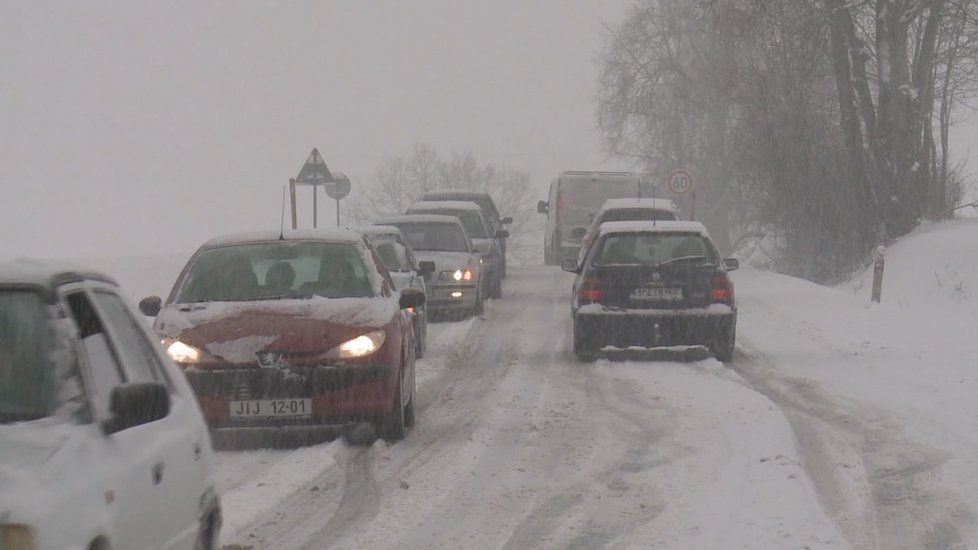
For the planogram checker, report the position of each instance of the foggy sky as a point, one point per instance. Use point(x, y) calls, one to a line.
point(150, 127)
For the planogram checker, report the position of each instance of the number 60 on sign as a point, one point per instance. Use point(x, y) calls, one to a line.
point(680, 182)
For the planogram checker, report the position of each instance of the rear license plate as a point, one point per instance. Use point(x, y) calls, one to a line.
point(265, 408)
point(665, 294)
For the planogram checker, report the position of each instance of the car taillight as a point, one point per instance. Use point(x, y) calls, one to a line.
point(722, 289)
point(590, 290)
point(560, 201)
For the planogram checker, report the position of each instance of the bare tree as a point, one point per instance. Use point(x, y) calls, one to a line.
point(399, 181)
point(815, 117)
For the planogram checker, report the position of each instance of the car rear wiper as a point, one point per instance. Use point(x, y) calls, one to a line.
point(682, 259)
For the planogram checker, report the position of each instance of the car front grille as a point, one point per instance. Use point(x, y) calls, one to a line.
point(244, 383)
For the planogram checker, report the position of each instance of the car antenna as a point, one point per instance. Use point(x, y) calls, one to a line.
point(653, 206)
point(281, 230)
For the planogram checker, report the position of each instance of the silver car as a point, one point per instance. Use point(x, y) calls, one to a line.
point(485, 241)
point(455, 286)
point(405, 270)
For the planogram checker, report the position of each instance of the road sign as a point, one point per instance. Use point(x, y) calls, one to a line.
point(339, 187)
point(314, 171)
point(680, 182)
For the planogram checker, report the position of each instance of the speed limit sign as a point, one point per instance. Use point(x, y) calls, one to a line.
point(680, 182)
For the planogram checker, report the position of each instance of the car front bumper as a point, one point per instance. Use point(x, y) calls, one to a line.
point(452, 296)
point(339, 394)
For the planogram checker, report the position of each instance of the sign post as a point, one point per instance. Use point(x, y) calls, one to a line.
point(314, 172)
point(338, 189)
point(295, 222)
point(680, 183)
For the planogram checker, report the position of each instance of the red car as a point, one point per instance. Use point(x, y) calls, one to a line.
point(301, 332)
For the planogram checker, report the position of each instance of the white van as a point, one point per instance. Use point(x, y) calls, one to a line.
point(575, 197)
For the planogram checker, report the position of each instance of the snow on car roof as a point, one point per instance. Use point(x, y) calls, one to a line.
point(657, 227)
point(48, 272)
point(419, 218)
point(644, 202)
point(455, 193)
point(317, 234)
point(444, 205)
point(376, 229)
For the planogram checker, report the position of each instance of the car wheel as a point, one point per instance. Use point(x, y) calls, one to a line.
point(584, 352)
point(496, 291)
point(419, 340)
point(479, 308)
point(210, 527)
point(409, 414)
point(392, 426)
point(723, 349)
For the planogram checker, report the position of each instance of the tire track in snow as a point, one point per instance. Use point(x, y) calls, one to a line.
point(880, 487)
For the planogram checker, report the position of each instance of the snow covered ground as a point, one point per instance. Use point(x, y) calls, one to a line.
point(840, 424)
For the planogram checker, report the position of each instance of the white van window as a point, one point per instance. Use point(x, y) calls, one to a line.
point(578, 201)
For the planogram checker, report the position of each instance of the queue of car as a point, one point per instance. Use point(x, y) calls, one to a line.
point(106, 436)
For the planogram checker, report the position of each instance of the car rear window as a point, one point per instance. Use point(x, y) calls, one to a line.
point(28, 385)
point(580, 200)
point(276, 270)
point(655, 248)
point(636, 214)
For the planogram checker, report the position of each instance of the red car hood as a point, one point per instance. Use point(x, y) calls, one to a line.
point(234, 332)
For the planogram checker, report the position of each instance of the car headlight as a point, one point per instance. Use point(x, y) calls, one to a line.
point(183, 353)
point(457, 275)
point(16, 537)
point(361, 346)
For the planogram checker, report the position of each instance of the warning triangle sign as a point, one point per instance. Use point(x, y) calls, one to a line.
point(314, 171)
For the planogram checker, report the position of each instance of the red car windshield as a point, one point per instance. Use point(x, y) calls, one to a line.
point(275, 270)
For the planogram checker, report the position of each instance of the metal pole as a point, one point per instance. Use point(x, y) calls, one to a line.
point(878, 274)
point(337, 212)
point(295, 223)
point(315, 208)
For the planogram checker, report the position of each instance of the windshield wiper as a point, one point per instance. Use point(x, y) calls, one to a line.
point(682, 259)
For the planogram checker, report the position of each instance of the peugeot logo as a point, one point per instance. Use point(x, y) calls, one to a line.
point(656, 277)
point(270, 359)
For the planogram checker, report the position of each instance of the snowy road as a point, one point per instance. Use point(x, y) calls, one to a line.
point(519, 446)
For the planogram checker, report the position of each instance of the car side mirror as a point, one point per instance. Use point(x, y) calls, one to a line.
point(507, 220)
point(150, 306)
point(411, 297)
point(137, 403)
point(570, 265)
point(542, 207)
point(731, 263)
point(426, 268)
point(502, 234)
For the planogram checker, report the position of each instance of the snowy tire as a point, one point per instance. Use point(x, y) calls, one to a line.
point(393, 427)
point(584, 353)
point(723, 349)
point(496, 290)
